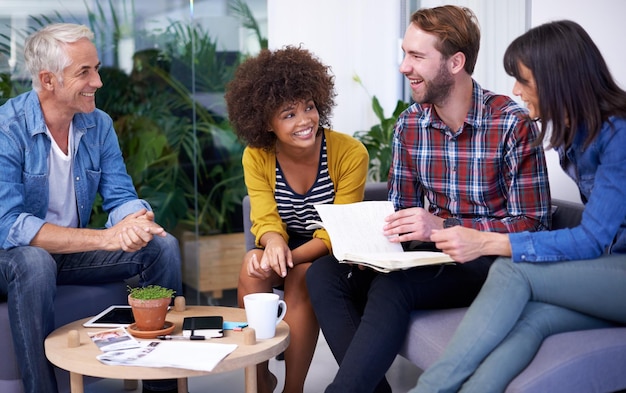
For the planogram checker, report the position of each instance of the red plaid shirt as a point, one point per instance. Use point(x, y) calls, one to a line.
point(487, 174)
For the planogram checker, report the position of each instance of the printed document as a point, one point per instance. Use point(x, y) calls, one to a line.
point(356, 234)
point(191, 355)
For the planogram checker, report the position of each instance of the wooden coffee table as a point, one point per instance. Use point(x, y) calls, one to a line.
point(81, 359)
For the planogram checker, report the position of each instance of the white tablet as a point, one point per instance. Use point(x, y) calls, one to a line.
point(114, 316)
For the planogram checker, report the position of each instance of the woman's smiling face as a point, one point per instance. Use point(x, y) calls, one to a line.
point(526, 89)
point(296, 123)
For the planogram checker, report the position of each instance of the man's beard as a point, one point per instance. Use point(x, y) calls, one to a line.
point(438, 89)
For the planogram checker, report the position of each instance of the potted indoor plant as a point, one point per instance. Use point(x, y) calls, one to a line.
point(149, 305)
point(378, 140)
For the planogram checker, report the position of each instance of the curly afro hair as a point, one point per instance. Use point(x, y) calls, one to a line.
point(262, 84)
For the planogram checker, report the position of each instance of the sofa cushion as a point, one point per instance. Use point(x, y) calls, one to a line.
point(429, 333)
point(573, 362)
point(80, 301)
point(72, 302)
point(576, 362)
point(8, 369)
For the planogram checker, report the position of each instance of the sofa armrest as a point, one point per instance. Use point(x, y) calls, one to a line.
point(375, 191)
point(566, 214)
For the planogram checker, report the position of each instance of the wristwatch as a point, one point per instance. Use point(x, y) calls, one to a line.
point(451, 222)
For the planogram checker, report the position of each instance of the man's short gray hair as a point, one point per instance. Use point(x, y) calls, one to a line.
point(45, 49)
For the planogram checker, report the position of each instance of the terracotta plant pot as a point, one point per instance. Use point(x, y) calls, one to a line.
point(149, 314)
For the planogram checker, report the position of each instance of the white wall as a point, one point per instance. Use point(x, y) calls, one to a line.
point(500, 23)
point(362, 37)
point(604, 21)
point(354, 37)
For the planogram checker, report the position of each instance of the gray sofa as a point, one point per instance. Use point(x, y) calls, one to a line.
point(592, 361)
point(71, 303)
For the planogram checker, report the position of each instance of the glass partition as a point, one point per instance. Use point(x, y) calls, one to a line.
point(164, 67)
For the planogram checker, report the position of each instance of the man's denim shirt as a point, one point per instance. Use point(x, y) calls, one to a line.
point(599, 170)
point(98, 167)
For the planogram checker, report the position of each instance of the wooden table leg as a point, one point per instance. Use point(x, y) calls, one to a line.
point(182, 385)
point(76, 383)
point(250, 376)
point(131, 384)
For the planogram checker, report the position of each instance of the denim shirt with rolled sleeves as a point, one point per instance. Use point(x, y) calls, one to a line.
point(599, 171)
point(98, 167)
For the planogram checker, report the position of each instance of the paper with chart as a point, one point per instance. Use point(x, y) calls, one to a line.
point(114, 339)
point(356, 234)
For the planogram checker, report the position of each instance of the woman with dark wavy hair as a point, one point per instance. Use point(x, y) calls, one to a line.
point(279, 103)
point(550, 281)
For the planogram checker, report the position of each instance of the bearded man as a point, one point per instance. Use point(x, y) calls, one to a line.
point(472, 155)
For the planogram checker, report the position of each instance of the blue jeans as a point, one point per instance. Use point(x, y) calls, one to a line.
point(29, 276)
point(519, 305)
point(364, 315)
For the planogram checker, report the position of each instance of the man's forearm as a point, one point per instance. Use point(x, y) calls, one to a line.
point(60, 240)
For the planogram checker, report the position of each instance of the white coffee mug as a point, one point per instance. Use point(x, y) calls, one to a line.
point(262, 313)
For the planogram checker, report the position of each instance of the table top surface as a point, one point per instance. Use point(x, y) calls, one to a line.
point(82, 359)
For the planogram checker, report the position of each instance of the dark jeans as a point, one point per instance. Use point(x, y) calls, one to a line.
point(29, 276)
point(364, 315)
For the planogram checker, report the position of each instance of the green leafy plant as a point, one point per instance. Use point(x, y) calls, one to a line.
point(184, 157)
point(194, 54)
point(240, 9)
point(379, 138)
point(150, 292)
point(6, 87)
point(112, 26)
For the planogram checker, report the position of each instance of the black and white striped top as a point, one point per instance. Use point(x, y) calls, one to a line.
point(295, 209)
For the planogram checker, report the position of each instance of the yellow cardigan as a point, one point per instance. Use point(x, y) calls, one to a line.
point(347, 167)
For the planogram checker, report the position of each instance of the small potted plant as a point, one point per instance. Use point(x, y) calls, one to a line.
point(149, 305)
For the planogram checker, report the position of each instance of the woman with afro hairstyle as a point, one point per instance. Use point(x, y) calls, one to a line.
point(279, 103)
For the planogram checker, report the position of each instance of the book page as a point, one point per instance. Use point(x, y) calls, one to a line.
point(358, 227)
point(356, 234)
point(386, 262)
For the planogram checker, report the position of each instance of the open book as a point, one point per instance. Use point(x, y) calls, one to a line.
point(356, 234)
